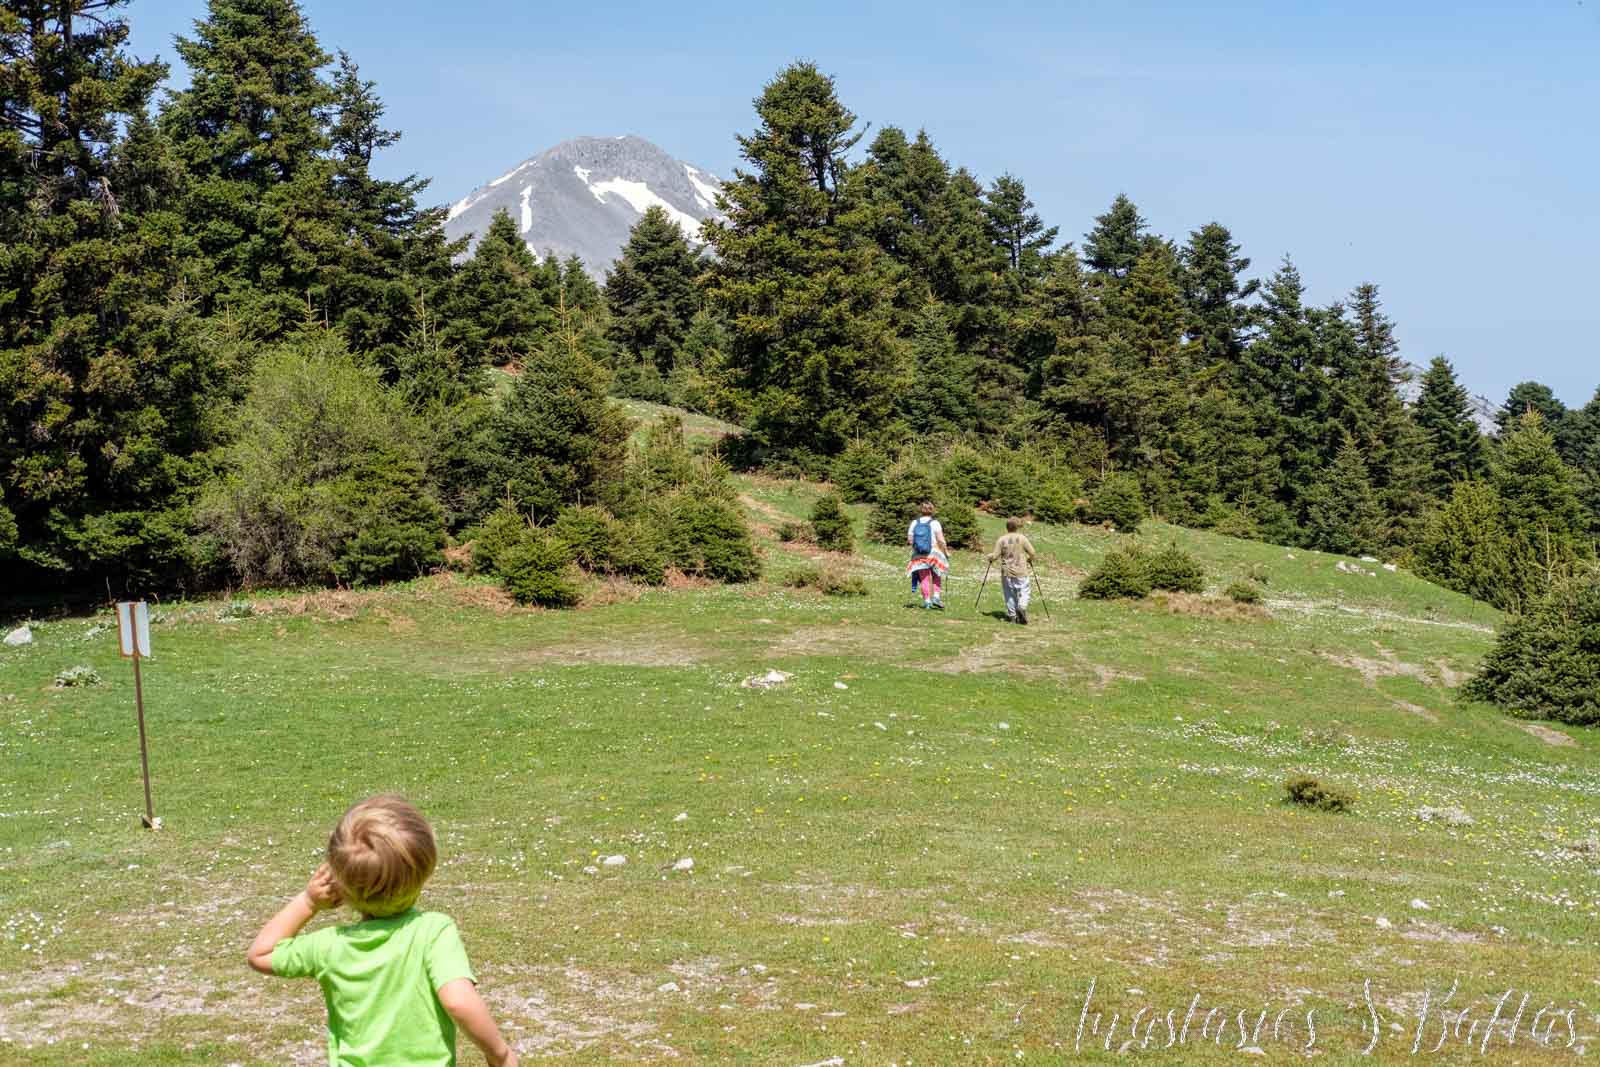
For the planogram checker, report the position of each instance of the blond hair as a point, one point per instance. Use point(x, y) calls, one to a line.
point(381, 853)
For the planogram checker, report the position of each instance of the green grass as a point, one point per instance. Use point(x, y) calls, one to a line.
point(927, 865)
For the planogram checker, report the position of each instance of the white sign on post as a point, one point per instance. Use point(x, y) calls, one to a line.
point(133, 628)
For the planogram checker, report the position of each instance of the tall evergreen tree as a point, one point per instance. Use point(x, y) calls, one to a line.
point(1215, 291)
point(1117, 240)
point(806, 289)
point(1565, 426)
point(1539, 492)
point(652, 293)
point(500, 305)
point(108, 392)
point(1444, 414)
point(1284, 384)
point(1016, 228)
point(251, 128)
point(1343, 513)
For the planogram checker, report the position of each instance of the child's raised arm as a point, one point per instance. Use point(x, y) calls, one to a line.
point(319, 894)
point(460, 998)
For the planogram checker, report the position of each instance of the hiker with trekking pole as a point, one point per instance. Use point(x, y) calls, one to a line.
point(930, 557)
point(1015, 554)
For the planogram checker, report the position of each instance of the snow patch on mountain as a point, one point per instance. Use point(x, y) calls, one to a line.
point(583, 196)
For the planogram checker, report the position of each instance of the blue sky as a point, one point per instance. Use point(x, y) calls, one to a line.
point(1446, 152)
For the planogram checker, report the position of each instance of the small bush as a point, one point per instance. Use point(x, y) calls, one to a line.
point(1257, 573)
point(1056, 500)
point(830, 524)
point(830, 581)
point(1122, 575)
point(967, 474)
point(1310, 793)
point(858, 471)
point(708, 537)
point(641, 552)
point(1014, 490)
point(1546, 663)
point(502, 529)
point(960, 523)
point(593, 536)
point(904, 488)
point(1119, 502)
point(1243, 593)
point(234, 610)
point(76, 676)
point(1175, 571)
point(537, 570)
point(791, 532)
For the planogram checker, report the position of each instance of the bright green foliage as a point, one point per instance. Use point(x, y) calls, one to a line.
point(827, 579)
point(858, 471)
point(1309, 793)
point(1122, 575)
point(537, 569)
point(896, 503)
point(1465, 546)
point(593, 535)
point(322, 483)
point(709, 538)
point(966, 473)
point(1244, 593)
point(814, 356)
point(831, 523)
point(942, 397)
point(1563, 424)
point(651, 292)
point(1119, 502)
point(959, 520)
point(1538, 492)
point(1444, 414)
point(1343, 513)
point(1546, 663)
point(503, 527)
point(1175, 571)
point(557, 440)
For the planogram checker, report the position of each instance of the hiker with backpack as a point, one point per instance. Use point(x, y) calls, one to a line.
point(930, 559)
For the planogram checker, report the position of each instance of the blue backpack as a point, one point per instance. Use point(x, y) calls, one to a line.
point(922, 537)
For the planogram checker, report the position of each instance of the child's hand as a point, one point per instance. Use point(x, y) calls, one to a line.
point(322, 890)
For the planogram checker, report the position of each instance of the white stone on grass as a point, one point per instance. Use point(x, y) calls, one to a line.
point(22, 635)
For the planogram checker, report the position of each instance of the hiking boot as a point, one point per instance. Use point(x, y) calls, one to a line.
point(927, 604)
point(938, 604)
point(1022, 616)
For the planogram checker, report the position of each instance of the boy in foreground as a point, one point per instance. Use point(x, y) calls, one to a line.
point(1015, 553)
point(397, 983)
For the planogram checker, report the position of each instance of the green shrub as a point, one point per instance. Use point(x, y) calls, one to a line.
point(708, 537)
point(904, 489)
point(1308, 792)
point(502, 529)
point(830, 581)
point(324, 481)
point(791, 532)
point(858, 471)
point(966, 474)
point(593, 536)
point(641, 551)
point(1014, 490)
point(1545, 663)
point(830, 523)
point(1174, 570)
point(1123, 574)
point(1243, 593)
point(77, 676)
point(1056, 500)
point(537, 569)
point(1119, 502)
point(959, 521)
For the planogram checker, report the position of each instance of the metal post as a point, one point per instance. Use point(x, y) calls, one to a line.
point(144, 752)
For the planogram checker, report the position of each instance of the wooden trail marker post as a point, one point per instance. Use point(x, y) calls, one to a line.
point(133, 634)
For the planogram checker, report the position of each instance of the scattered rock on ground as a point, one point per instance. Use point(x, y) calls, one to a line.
point(1448, 816)
point(22, 635)
point(614, 861)
point(766, 681)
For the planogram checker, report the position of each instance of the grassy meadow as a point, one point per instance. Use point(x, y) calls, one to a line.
point(922, 848)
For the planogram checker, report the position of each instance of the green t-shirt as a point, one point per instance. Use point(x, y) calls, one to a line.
point(380, 981)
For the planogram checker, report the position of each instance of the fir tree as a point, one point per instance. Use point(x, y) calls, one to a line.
point(1465, 546)
point(499, 307)
point(1539, 493)
point(652, 293)
point(1565, 426)
point(1016, 228)
point(806, 291)
point(1117, 240)
point(1444, 414)
point(1343, 514)
point(1215, 291)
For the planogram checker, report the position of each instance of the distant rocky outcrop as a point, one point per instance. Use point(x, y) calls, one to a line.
point(1483, 409)
point(584, 195)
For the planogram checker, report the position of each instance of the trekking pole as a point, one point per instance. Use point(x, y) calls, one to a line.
point(1037, 584)
point(979, 597)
